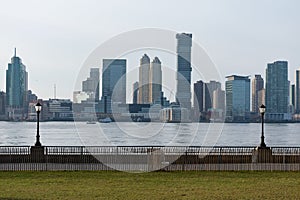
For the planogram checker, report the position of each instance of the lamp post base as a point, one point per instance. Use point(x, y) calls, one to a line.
point(37, 154)
point(262, 155)
point(38, 144)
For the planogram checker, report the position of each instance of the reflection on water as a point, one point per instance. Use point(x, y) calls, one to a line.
point(71, 134)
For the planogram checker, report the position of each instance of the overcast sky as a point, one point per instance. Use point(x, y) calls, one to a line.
point(55, 37)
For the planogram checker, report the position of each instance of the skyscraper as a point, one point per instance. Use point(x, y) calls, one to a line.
point(113, 83)
point(16, 83)
point(198, 99)
point(183, 93)
point(2, 104)
point(144, 71)
point(155, 81)
point(91, 84)
point(135, 92)
point(219, 99)
point(277, 91)
point(261, 97)
point(208, 94)
point(297, 92)
point(237, 98)
point(292, 95)
point(257, 85)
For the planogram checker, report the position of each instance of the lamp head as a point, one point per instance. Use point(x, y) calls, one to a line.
point(262, 109)
point(38, 107)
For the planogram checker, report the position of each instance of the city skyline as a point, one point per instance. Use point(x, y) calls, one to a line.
point(238, 37)
point(208, 97)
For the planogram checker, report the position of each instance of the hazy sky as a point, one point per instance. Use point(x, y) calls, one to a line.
point(54, 38)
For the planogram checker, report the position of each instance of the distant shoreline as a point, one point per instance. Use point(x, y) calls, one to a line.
point(204, 122)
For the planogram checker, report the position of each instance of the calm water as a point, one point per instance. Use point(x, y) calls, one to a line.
point(80, 133)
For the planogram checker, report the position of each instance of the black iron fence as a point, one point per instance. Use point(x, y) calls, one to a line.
point(148, 158)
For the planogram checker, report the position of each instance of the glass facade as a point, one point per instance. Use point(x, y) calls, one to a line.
point(237, 98)
point(183, 95)
point(277, 87)
point(113, 83)
point(16, 83)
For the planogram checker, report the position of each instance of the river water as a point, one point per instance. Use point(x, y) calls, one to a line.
point(126, 133)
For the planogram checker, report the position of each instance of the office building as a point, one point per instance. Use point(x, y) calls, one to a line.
point(261, 97)
point(277, 91)
point(292, 95)
point(198, 99)
point(208, 94)
point(237, 98)
point(297, 92)
point(135, 88)
point(144, 80)
point(257, 85)
point(219, 99)
point(183, 92)
point(113, 83)
point(16, 83)
point(2, 105)
point(155, 81)
point(91, 85)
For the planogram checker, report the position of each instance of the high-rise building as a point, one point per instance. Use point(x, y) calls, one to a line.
point(135, 92)
point(198, 99)
point(16, 83)
point(208, 94)
point(219, 99)
point(297, 92)
point(261, 97)
point(257, 85)
point(91, 84)
point(155, 81)
point(203, 97)
point(2, 104)
point(277, 91)
point(292, 95)
point(183, 93)
point(237, 98)
point(144, 71)
point(113, 83)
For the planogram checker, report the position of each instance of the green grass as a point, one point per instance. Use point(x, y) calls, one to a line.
point(154, 185)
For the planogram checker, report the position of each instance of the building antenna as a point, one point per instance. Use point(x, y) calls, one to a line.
point(54, 91)
point(15, 52)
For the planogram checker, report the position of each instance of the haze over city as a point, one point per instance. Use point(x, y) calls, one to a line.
point(53, 45)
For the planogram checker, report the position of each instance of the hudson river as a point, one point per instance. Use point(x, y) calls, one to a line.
point(125, 133)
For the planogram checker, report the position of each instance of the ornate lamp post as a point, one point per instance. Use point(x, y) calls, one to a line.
point(262, 110)
point(38, 108)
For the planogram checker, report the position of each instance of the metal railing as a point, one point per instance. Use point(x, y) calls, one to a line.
point(148, 158)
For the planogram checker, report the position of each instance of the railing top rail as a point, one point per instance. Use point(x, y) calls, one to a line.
point(148, 146)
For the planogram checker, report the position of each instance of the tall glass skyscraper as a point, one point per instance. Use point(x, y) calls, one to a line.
point(183, 93)
point(16, 83)
point(237, 98)
point(113, 83)
point(277, 91)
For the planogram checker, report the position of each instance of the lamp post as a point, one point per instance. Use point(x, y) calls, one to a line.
point(262, 110)
point(38, 108)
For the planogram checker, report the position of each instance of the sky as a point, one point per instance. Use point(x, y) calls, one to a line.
point(54, 38)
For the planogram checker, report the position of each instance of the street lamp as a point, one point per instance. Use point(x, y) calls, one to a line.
point(262, 110)
point(38, 108)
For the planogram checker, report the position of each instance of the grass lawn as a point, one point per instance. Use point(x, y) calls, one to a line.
point(154, 185)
